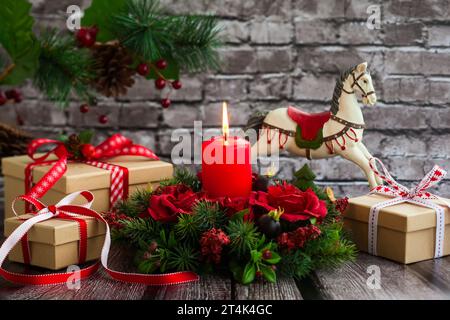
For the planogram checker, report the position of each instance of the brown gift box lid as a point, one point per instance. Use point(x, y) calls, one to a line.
point(56, 231)
point(81, 176)
point(404, 217)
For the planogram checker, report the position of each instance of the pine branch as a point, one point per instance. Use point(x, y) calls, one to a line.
point(136, 204)
point(63, 68)
point(183, 176)
point(244, 237)
point(190, 40)
point(139, 232)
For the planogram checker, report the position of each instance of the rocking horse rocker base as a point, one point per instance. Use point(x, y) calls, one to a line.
point(326, 134)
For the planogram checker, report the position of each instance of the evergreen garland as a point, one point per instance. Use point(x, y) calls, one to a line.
point(247, 254)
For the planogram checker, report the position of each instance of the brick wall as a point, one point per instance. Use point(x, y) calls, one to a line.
point(290, 51)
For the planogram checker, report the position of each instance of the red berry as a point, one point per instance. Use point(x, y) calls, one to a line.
point(3, 98)
point(14, 94)
point(160, 83)
point(176, 84)
point(267, 254)
point(143, 69)
point(259, 273)
point(93, 31)
point(88, 151)
point(161, 64)
point(85, 37)
point(103, 119)
point(84, 108)
point(165, 103)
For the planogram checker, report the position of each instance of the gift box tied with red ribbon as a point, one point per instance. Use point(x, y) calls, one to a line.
point(114, 168)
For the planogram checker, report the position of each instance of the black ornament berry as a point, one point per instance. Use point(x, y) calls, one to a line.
point(161, 64)
point(269, 224)
point(177, 84)
point(260, 183)
point(165, 103)
point(84, 108)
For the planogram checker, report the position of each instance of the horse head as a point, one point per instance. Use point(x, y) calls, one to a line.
point(362, 83)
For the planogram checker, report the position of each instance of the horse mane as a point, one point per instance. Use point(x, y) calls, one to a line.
point(338, 89)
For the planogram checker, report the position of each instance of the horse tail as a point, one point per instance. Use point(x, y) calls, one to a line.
point(256, 121)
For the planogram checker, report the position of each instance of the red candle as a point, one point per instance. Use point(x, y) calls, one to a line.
point(226, 165)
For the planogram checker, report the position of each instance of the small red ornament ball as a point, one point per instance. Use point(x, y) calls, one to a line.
point(88, 151)
point(177, 84)
point(84, 108)
point(267, 254)
point(143, 69)
point(161, 64)
point(86, 37)
point(14, 94)
point(3, 98)
point(165, 103)
point(160, 83)
point(103, 119)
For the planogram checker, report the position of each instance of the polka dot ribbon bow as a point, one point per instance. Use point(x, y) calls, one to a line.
point(400, 194)
point(116, 145)
point(65, 209)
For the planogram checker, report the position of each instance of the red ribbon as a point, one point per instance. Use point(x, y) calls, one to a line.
point(65, 209)
point(116, 145)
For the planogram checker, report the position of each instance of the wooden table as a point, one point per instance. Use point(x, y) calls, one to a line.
point(424, 280)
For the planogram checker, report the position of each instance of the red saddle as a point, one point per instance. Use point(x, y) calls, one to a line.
point(310, 123)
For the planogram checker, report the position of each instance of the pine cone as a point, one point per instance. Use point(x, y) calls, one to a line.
point(13, 142)
point(113, 68)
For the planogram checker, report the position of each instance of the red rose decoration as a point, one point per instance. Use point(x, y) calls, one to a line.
point(170, 201)
point(298, 205)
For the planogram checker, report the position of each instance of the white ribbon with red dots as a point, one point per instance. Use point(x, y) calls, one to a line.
point(401, 194)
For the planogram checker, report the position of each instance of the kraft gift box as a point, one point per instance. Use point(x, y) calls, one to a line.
point(142, 174)
point(406, 232)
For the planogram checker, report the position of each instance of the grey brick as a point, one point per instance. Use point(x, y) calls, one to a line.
point(403, 34)
point(139, 115)
point(407, 10)
point(439, 147)
point(313, 87)
point(34, 113)
point(310, 10)
point(235, 31)
point(233, 8)
point(354, 33)
point(274, 59)
point(191, 90)
point(439, 91)
point(315, 32)
point(395, 117)
point(271, 32)
point(418, 62)
point(55, 7)
point(184, 7)
point(238, 60)
point(439, 36)
point(143, 89)
point(271, 87)
point(439, 118)
point(181, 116)
point(226, 88)
point(90, 119)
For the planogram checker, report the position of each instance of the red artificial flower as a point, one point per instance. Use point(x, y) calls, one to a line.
point(114, 219)
point(297, 239)
point(212, 242)
point(170, 201)
point(298, 205)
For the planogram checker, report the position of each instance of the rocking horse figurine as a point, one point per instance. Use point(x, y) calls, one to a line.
point(322, 135)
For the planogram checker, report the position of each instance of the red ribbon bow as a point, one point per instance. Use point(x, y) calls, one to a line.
point(65, 209)
point(116, 145)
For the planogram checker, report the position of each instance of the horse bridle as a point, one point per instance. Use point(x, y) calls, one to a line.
point(355, 83)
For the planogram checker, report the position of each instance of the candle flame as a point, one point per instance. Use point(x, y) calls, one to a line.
point(225, 125)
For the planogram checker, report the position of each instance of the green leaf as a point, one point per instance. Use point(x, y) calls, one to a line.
point(99, 14)
point(269, 273)
point(249, 273)
point(275, 258)
point(63, 138)
point(256, 256)
point(18, 40)
point(239, 216)
point(171, 72)
point(313, 220)
point(86, 136)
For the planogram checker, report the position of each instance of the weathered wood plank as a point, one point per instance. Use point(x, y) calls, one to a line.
point(208, 288)
point(436, 272)
point(284, 289)
point(397, 281)
point(99, 286)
